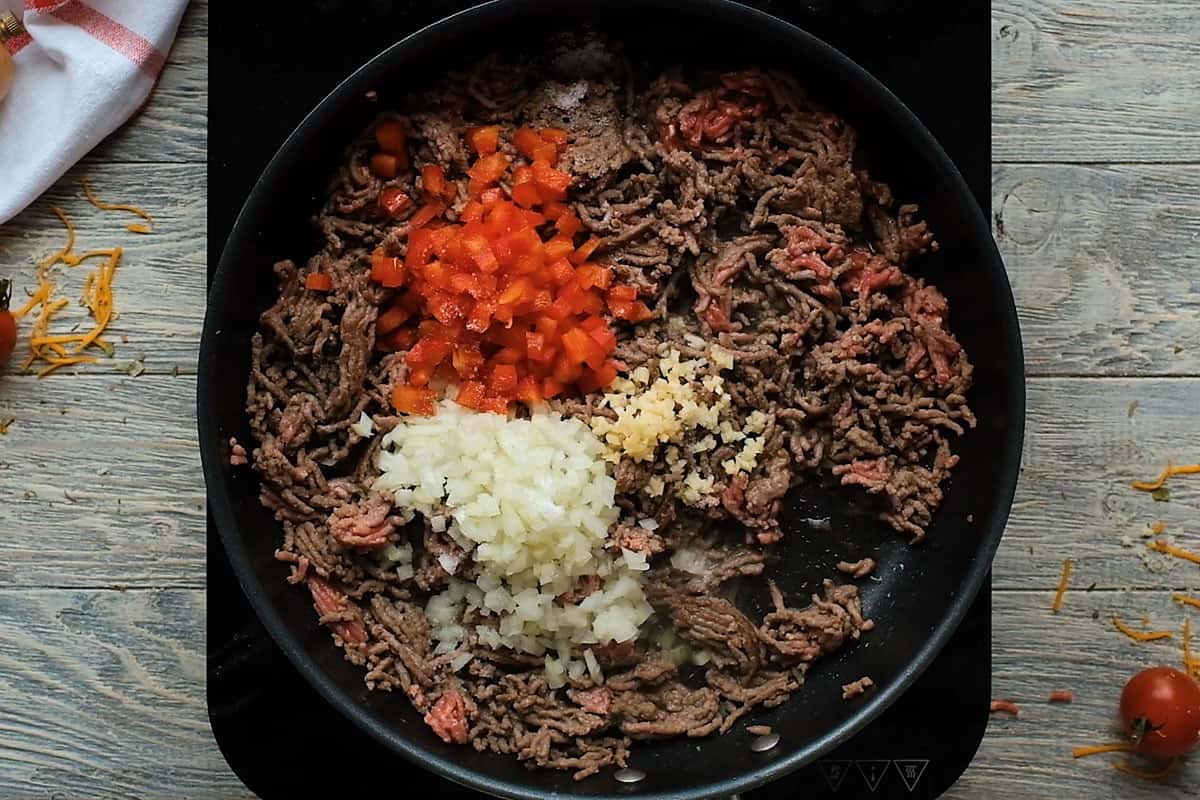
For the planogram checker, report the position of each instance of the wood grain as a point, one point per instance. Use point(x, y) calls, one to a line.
point(1035, 652)
point(103, 696)
point(173, 125)
point(105, 472)
point(160, 285)
point(1092, 80)
point(1102, 264)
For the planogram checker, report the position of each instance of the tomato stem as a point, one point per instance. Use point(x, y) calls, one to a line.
point(5, 293)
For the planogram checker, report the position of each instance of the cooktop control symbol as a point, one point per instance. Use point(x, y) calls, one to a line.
point(911, 770)
point(834, 772)
point(872, 770)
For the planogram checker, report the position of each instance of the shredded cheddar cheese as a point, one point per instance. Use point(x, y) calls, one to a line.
point(1158, 527)
point(1186, 600)
point(1168, 471)
point(1170, 549)
point(1091, 750)
point(1063, 581)
point(1187, 646)
point(132, 209)
point(53, 351)
point(1140, 636)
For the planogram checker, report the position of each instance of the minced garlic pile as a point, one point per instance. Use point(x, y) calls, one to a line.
point(666, 410)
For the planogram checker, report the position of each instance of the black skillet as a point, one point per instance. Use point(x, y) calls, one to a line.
point(920, 593)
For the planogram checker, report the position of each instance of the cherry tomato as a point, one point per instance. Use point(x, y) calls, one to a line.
point(1160, 710)
point(8, 323)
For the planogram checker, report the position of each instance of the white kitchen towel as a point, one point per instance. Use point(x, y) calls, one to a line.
point(84, 69)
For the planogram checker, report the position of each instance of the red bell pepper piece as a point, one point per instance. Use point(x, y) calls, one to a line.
point(394, 202)
point(387, 270)
point(484, 140)
point(318, 282)
point(391, 136)
point(413, 400)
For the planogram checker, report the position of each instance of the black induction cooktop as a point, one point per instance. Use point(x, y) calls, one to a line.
point(269, 65)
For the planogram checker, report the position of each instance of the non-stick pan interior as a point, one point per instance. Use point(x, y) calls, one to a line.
point(918, 594)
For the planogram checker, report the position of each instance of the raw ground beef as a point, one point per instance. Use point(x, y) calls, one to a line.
point(738, 208)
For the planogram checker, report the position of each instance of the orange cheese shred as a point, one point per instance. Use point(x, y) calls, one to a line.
point(1140, 636)
point(1172, 550)
point(1091, 750)
point(55, 351)
point(1168, 471)
point(1063, 581)
point(132, 209)
point(1186, 600)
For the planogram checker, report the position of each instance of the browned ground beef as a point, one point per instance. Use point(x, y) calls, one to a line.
point(736, 205)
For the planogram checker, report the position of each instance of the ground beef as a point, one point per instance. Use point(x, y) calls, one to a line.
point(855, 688)
point(737, 208)
point(857, 569)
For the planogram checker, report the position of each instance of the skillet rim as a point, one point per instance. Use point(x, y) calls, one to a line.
point(898, 116)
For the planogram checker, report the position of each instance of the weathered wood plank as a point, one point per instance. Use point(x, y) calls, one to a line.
point(103, 696)
point(1073, 501)
point(1111, 81)
point(1035, 652)
point(1082, 448)
point(104, 471)
point(160, 285)
point(173, 127)
point(1102, 265)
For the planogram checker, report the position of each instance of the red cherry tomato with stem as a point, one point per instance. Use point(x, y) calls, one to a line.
point(8, 323)
point(1160, 710)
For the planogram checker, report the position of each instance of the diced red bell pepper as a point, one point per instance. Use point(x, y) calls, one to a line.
point(565, 370)
point(428, 352)
point(470, 394)
point(551, 387)
point(485, 139)
point(533, 218)
point(527, 140)
point(467, 361)
point(529, 390)
point(622, 292)
point(426, 214)
point(418, 376)
point(318, 282)
point(629, 310)
point(446, 307)
point(553, 183)
point(546, 152)
point(521, 290)
point(481, 315)
point(593, 276)
point(591, 323)
point(508, 355)
point(542, 299)
point(604, 337)
point(592, 303)
point(568, 224)
point(490, 168)
point(556, 136)
point(385, 165)
point(420, 252)
point(526, 195)
point(394, 202)
point(414, 400)
point(536, 347)
point(522, 173)
point(554, 210)
point(392, 319)
point(480, 251)
point(489, 197)
point(503, 379)
point(559, 310)
point(387, 270)
point(472, 212)
point(401, 339)
point(558, 247)
point(585, 250)
point(579, 347)
point(433, 181)
point(391, 136)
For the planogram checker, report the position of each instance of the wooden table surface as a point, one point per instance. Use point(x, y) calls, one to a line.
point(1097, 211)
